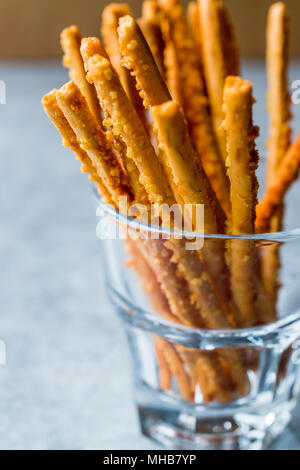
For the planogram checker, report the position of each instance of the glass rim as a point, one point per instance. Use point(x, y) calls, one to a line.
point(254, 336)
point(279, 237)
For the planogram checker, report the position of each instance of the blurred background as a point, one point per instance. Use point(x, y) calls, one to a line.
point(31, 28)
point(67, 383)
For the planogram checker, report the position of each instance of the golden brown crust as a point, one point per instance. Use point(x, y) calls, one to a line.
point(217, 63)
point(137, 57)
point(111, 16)
point(150, 285)
point(176, 366)
point(70, 42)
point(92, 139)
point(126, 124)
point(286, 174)
point(173, 284)
point(179, 156)
point(165, 375)
point(278, 92)
point(229, 43)
point(242, 162)
point(151, 27)
point(279, 128)
point(194, 100)
point(57, 117)
point(110, 21)
point(193, 17)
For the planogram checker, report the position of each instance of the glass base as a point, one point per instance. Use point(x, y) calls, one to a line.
point(238, 431)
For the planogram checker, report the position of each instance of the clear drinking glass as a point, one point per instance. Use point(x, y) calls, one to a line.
point(199, 388)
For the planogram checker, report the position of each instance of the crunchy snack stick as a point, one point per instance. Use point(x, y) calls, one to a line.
point(150, 285)
point(285, 175)
point(110, 20)
point(173, 139)
point(279, 129)
point(92, 139)
point(193, 17)
point(70, 42)
point(138, 58)
point(154, 91)
point(165, 375)
point(278, 94)
point(218, 53)
point(126, 124)
point(151, 258)
point(242, 163)
point(175, 364)
point(194, 100)
point(56, 115)
point(150, 25)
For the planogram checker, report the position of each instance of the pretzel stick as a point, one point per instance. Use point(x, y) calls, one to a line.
point(178, 153)
point(285, 175)
point(110, 20)
point(153, 89)
point(70, 42)
point(165, 375)
point(194, 100)
point(150, 26)
point(149, 281)
point(92, 139)
point(242, 163)
point(217, 63)
point(173, 359)
point(180, 290)
point(127, 125)
point(193, 17)
point(55, 114)
point(278, 94)
point(279, 129)
point(97, 67)
point(138, 58)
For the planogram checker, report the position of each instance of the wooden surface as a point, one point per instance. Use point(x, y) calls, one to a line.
point(31, 28)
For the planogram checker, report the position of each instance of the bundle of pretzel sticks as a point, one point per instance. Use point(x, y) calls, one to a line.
point(160, 114)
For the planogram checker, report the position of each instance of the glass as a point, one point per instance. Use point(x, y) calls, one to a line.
point(200, 388)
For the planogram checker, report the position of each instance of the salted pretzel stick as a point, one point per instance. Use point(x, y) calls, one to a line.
point(70, 42)
point(217, 59)
point(92, 139)
point(127, 125)
point(176, 285)
point(194, 100)
point(242, 163)
point(193, 18)
point(137, 57)
point(110, 20)
point(278, 93)
point(150, 285)
point(286, 174)
point(105, 87)
point(140, 61)
point(57, 117)
point(279, 129)
point(165, 375)
point(150, 25)
point(173, 359)
point(177, 152)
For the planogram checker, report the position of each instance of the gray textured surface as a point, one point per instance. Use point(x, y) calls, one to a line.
point(57, 390)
